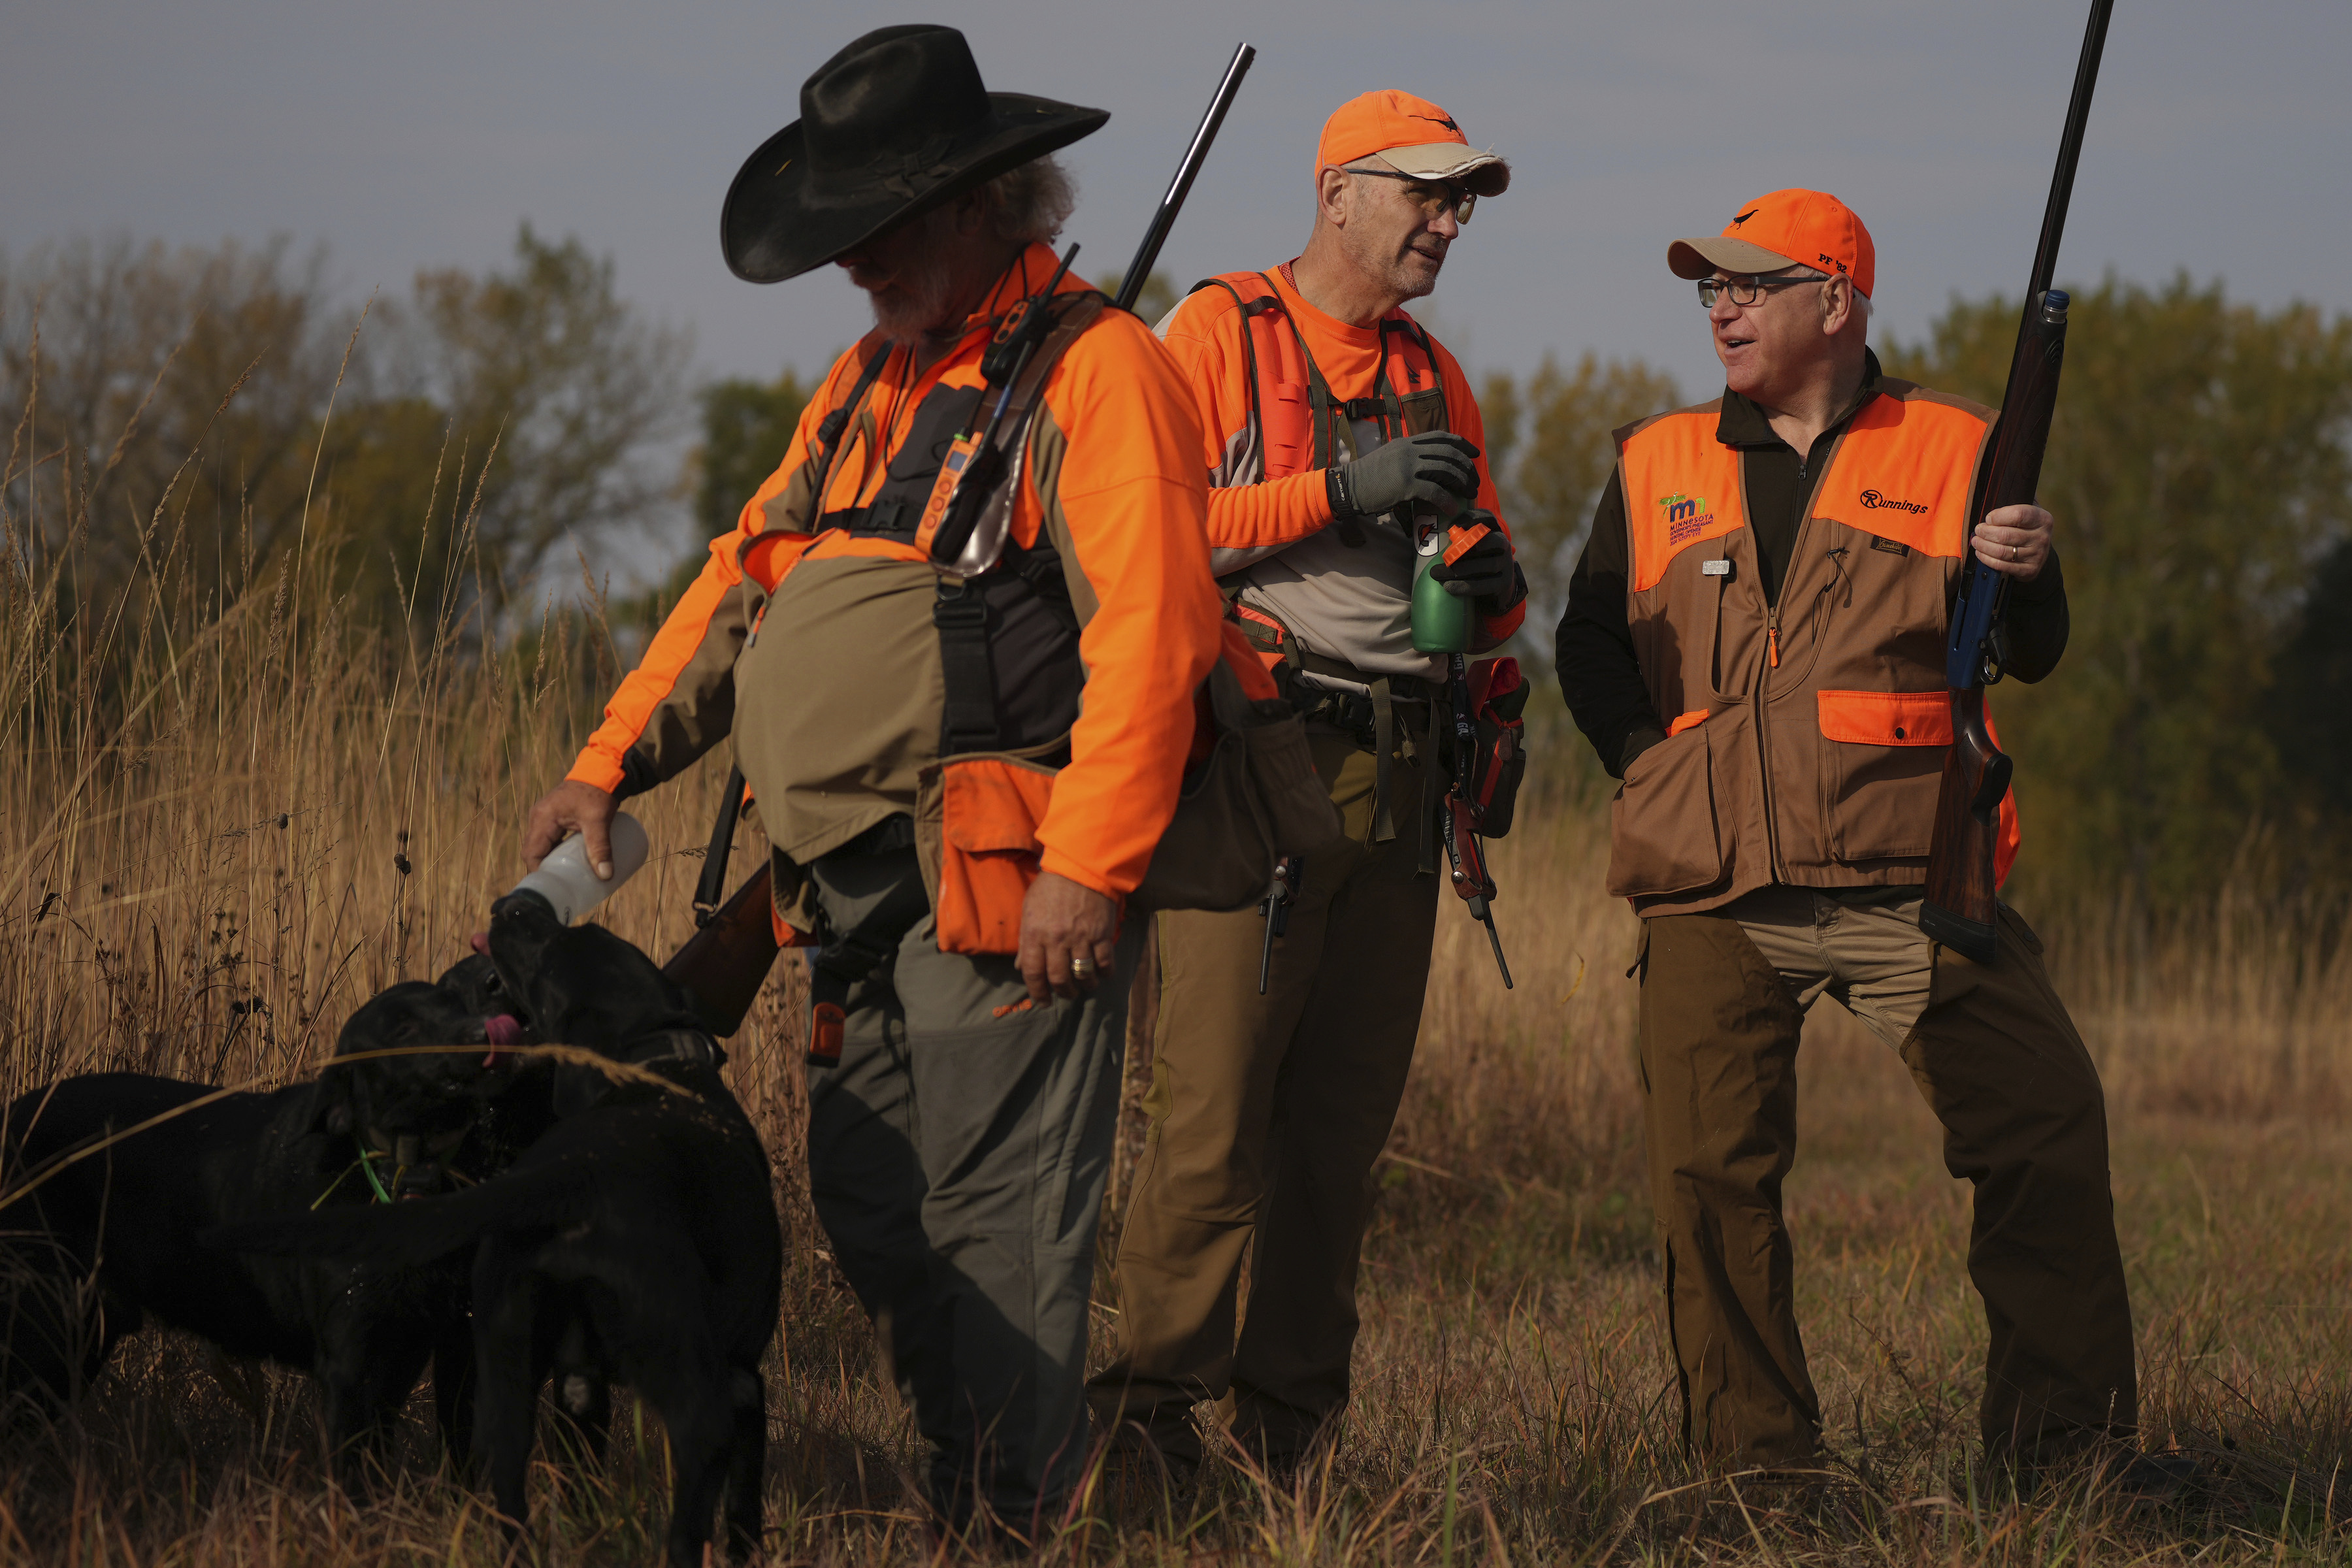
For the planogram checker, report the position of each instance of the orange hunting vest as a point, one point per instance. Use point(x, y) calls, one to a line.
point(1296, 419)
point(1806, 740)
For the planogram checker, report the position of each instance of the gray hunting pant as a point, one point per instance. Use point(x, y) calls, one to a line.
point(957, 1155)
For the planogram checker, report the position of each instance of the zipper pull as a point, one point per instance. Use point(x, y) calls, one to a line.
point(1772, 641)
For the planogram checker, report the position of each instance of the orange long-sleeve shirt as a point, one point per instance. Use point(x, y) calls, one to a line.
point(1111, 475)
point(1350, 602)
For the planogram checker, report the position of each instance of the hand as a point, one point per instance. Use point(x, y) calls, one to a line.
point(2014, 540)
point(1062, 923)
point(1485, 571)
point(568, 806)
point(1435, 467)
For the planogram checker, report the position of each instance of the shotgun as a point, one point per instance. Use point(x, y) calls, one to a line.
point(1960, 907)
point(1139, 270)
point(727, 960)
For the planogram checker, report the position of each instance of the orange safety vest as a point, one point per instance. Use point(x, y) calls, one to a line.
point(1806, 738)
point(1295, 421)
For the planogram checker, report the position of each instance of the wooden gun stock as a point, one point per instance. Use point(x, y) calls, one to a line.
point(1960, 903)
point(725, 964)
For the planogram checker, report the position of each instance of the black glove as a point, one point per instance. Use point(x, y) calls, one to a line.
point(1436, 469)
point(1485, 572)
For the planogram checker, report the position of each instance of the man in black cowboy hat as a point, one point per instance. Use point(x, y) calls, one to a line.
point(901, 675)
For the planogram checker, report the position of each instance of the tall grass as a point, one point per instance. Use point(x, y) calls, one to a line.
point(231, 819)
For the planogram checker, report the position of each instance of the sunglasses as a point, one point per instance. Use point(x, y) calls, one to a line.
point(1432, 196)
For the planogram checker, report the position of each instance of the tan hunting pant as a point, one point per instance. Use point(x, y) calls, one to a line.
point(1267, 1114)
point(1723, 996)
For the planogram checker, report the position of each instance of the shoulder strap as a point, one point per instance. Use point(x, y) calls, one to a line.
point(1074, 312)
point(1269, 301)
point(830, 430)
point(969, 721)
point(1320, 404)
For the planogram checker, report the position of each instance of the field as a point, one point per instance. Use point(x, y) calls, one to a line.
point(227, 827)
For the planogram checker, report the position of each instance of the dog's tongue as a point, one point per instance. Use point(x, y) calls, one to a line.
point(481, 941)
point(502, 1030)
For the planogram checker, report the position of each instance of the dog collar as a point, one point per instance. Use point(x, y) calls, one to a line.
point(691, 1047)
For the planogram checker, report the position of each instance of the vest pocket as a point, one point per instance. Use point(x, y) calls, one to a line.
point(1664, 832)
point(1882, 761)
point(984, 811)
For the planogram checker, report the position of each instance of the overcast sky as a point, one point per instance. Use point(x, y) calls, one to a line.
point(416, 134)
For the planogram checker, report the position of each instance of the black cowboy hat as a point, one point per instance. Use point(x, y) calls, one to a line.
point(890, 127)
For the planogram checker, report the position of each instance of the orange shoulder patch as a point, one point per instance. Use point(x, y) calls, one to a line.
point(1904, 472)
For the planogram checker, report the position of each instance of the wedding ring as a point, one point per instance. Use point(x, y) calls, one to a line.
point(2012, 552)
point(1082, 967)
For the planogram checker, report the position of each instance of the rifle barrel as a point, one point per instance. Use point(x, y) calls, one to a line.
point(1140, 269)
point(2070, 149)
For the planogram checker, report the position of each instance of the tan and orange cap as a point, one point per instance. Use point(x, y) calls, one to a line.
point(1785, 229)
point(1411, 135)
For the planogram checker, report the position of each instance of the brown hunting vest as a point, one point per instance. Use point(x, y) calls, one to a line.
point(1805, 740)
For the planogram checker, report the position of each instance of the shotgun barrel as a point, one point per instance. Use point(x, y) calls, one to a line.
point(1961, 908)
point(1140, 269)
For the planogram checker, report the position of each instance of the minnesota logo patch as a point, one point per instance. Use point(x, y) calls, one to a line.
point(1687, 517)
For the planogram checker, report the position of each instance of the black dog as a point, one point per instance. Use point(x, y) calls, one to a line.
point(98, 1243)
point(640, 1232)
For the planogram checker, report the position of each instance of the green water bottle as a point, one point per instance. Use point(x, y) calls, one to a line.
point(1441, 621)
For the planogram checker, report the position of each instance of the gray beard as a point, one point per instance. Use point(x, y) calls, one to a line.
point(918, 305)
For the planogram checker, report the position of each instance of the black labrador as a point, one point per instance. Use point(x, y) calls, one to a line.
point(639, 1234)
point(96, 1237)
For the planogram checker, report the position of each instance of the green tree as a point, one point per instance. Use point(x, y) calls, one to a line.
point(176, 405)
point(746, 428)
point(1154, 301)
point(2309, 714)
point(1548, 446)
point(2198, 467)
point(167, 401)
point(568, 380)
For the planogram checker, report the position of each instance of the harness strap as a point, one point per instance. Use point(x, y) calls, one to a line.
point(1384, 761)
point(829, 430)
point(1248, 308)
point(848, 957)
point(968, 720)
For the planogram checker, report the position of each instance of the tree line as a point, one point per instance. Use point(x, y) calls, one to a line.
point(486, 425)
point(197, 413)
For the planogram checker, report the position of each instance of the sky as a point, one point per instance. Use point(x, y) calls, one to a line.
point(422, 134)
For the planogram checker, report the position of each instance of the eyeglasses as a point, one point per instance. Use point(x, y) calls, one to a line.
point(1432, 196)
point(1746, 289)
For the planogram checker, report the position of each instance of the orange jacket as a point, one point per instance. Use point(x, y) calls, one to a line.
point(1267, 474)
point(1112, 454)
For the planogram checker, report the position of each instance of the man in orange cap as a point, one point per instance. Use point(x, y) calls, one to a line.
point(1754, 643)
point(1328, 415)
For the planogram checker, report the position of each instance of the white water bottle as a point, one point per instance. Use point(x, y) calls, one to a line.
point(568, 883)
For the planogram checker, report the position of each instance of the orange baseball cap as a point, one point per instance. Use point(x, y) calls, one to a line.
point(1786, 229)
point(1411, 135)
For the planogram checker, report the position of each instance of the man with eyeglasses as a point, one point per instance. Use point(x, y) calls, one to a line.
point(1330, 414)
point(1754, 644)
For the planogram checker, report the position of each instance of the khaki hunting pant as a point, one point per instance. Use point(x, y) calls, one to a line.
point(1267, 1114)
point(1723, 996)
point(956, 1157)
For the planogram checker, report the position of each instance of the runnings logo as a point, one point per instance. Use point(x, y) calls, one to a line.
point(1877, 502)
point(1686, 516)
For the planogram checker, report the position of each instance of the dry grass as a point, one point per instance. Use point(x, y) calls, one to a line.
point(227, 828)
